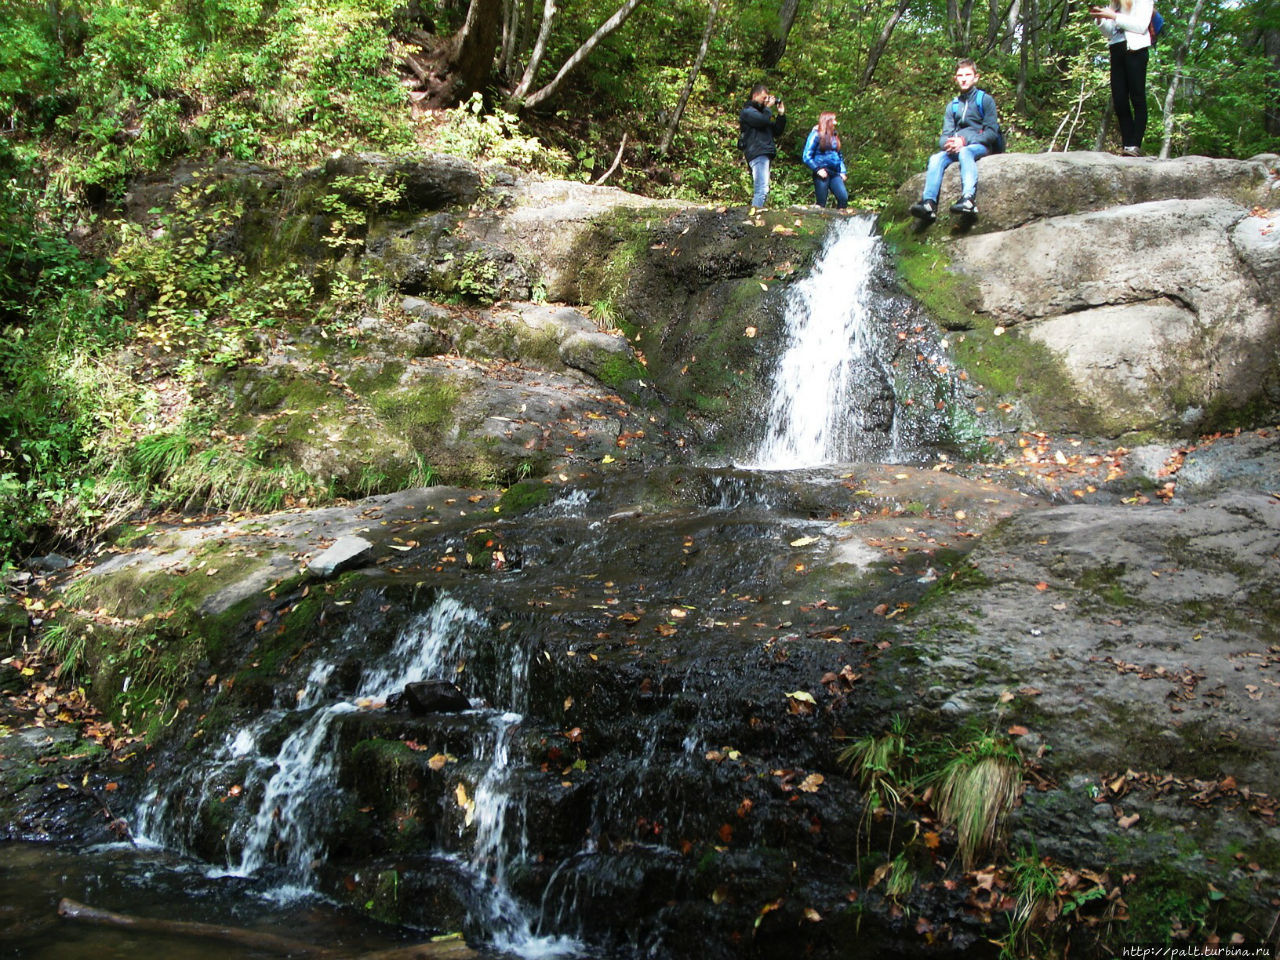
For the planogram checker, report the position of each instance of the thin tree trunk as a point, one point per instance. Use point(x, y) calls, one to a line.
point(510, 35)
point(873, 56)
point(1269, 41)
point(966, 27)
point(617, 160)
point(993, 24)
point(1108, 111)
point(1024, 53)
point(670, 132)
point(1174, 80)
point(1011, 25)
point(539, 48)
point(776, 45)
point(613, 23)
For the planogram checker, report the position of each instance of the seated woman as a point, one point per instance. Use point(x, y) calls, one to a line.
point(822, 155)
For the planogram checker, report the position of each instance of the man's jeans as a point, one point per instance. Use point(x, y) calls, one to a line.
point(759, 181)
point(938, 163)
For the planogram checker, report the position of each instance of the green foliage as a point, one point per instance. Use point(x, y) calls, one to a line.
point(975, 781)
point(494, 137)
point(1033, 883)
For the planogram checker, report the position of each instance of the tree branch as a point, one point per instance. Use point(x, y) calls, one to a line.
point(613, 23)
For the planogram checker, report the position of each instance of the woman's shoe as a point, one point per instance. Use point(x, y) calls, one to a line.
point(1132, 151)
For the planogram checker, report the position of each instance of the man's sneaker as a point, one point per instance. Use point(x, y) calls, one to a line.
point(965, 207)
point(926, 210)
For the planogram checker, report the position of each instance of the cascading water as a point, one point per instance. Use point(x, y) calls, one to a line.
point(832, 397)
point(296, 786)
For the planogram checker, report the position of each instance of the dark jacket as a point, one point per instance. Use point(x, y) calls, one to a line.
point(759, 126)
point(976, 125)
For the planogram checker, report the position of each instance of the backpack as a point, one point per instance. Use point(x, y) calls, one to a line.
point(1157, 25)
point(977, 99)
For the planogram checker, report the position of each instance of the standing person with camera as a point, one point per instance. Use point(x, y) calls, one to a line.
point(757, 128)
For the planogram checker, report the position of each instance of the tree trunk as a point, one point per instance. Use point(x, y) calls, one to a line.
point(462, 64)
point(776, 46)
point(510, 36)
point(1027, 16)
point(1108, 110)
point(993, 24)
point(539, 48)
point(874, 54)
point(1271, 105)
point(1176, 78)
point(670, 132)
point(1011, 25)
point(613, 23)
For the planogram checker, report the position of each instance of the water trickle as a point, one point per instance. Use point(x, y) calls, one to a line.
point(832, 398)
point(295, 790)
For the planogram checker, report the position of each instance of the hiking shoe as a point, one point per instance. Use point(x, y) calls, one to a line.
point(965, 207)
point(1132, 151)
point(926, 210)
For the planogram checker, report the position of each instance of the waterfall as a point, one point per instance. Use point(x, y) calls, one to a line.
point(291, 793)
point(832, 398)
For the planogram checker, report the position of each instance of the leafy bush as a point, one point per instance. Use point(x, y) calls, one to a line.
point(494, 137)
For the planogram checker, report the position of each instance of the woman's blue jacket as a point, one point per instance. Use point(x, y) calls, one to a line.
point(815, 159)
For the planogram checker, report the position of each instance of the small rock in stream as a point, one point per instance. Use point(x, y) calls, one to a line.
point(434, 696)
point(345, 553)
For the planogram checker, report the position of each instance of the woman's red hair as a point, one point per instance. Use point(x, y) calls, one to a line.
point(827, 136)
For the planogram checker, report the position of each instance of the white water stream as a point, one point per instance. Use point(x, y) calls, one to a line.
point(814, 414)
point(295, 783)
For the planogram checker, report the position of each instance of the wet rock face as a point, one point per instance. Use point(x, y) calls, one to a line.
point(1152, 281)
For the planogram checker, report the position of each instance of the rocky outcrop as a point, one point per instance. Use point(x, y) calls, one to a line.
point(1154, 282)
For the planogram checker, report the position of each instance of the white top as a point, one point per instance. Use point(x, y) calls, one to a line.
point(1131, 27)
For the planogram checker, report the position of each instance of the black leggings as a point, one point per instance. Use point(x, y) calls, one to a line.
point(1129, 91)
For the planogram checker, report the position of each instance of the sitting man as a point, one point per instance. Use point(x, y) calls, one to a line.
point(970, 130)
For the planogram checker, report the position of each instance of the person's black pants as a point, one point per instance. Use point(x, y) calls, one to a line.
point(1129, 91)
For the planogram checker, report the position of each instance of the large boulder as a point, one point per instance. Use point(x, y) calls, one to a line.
point(1018, 188)
point(1153, 283)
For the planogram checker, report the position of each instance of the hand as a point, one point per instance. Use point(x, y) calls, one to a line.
point(823, 173)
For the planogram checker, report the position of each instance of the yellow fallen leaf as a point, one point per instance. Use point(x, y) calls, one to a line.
point(802, 696)
point(812, 782)
point(607, 459)
point(804, 541)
